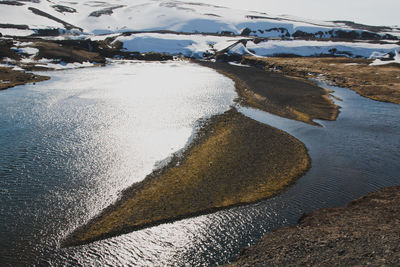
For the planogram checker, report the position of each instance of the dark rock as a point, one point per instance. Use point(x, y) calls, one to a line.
point(363, 26)
point(227, 57)
point(11, 3)
point(46, 15)
point(364, 232)
point(104, 11)
point(370, 36)
point(6, 51)
point(14, 26)
point(157, 57)
point(62, 9)
point(389, 37)
point(347, 34)
point(301, 34)
point(227, 33)
point(48, 32)
point(245, 32)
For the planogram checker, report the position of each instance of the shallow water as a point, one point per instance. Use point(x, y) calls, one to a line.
point(355, 155)
point(69, 145)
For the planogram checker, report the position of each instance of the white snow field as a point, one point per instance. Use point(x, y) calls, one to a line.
point(99, 17)
point(197, 45)
point(193, 29)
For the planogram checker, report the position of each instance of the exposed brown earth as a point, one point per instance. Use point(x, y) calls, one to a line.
point(380, 83)
point(10, 78)
point(66, 52)
point(6, 51)
point(234, 160)
point(366, 232)
point(284, 96)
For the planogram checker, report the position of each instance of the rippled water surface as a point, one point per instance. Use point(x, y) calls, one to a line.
point(68, 146)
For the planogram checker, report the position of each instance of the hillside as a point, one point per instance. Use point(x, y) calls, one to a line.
point(192, 29)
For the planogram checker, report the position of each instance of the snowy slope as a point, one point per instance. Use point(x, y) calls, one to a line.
point(199, 45)
point(97, 17)
point(176, 44)
point(317, 48)
point(192, 29)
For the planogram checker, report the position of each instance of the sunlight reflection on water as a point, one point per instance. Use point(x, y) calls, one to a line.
point(87, 134)
point(71, 144)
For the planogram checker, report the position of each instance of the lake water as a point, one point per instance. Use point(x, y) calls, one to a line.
point(69, 145)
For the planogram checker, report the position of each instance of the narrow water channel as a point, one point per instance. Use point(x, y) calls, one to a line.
point(66, 151)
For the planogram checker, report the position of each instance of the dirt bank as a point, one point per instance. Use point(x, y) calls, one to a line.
point(283, 96)
point(234, 160)
point(380, 83)
point(365, 232)
point(10, 78)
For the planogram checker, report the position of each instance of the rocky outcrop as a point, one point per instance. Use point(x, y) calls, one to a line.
point(104, 11)
point(365, 232)
point(67, 25)
point(64, 9)
point(10, 78)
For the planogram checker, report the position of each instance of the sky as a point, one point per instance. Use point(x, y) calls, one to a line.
point(372, 12)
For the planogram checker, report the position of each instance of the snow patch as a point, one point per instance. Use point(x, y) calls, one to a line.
point(378, 61)
point(317, 48)
point(64, 66)
point(175, 44)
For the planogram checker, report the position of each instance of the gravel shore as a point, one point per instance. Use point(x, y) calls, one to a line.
point(363, 233)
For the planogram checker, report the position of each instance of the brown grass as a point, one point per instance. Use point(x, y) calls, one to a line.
point(234, 160)
point(381, 83)
point(292, 98)
point(67, 53)
point(10, 78)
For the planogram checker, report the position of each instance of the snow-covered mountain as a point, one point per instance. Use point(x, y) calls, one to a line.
point(23, 17)
point(191, 29)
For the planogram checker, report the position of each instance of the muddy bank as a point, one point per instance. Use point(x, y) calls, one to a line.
point(10, 78)
point(381, 83)
point(364, 232)
point(272, 92)
point(233, 160)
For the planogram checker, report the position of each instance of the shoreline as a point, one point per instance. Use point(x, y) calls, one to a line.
point(225, 138)
point(250, 255)
point(192, 185)
point(363, 232)
point(291, 98)
point(10, 78)
point(379, 83)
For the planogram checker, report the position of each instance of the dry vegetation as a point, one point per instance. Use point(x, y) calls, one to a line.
point(66, 52)
point(234, 160)
point(272, 92)
point(380, 83)
point(10, 78)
